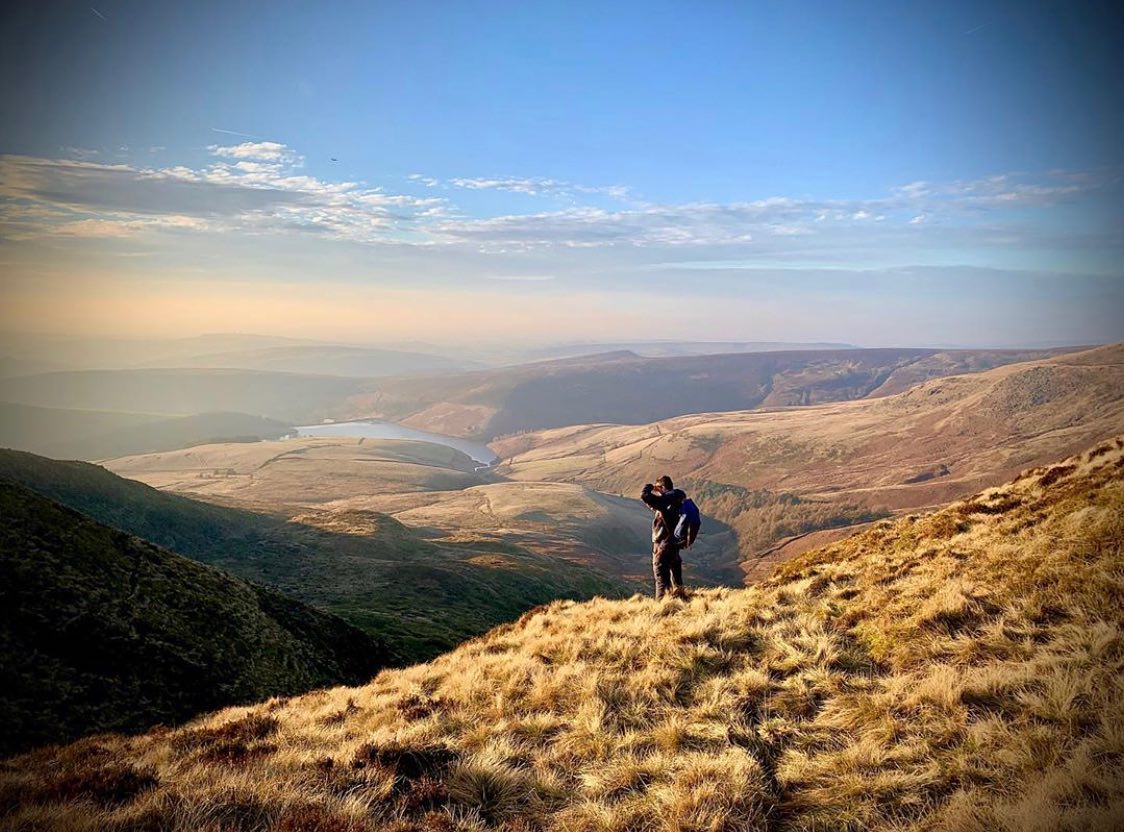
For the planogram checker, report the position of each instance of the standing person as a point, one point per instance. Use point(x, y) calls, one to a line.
point(665, 500)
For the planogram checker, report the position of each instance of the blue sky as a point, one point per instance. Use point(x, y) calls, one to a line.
point(865, 172)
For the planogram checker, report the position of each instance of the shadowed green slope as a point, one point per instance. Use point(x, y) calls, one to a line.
point(422, 597)
point(100, 630)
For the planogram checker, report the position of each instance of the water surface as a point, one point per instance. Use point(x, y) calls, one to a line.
point(375, 429)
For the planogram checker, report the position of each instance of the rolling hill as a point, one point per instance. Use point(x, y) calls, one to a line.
point(91, 435)
point(775, 474)
point(624, 388)
point(611, 534)
point(323, 359)
point(286, 397)
point(420, 596)
point(102, 631)
point(436, 492)
point(304, 471)
point(619, 387)
point(958, 671)
point(664, 349)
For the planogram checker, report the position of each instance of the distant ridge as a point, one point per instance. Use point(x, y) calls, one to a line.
point(624, 387)
point(95, 434)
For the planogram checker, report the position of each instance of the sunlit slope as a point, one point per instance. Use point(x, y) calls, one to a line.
point(937, 441)
point(103, 631)
point(959, 670)
point(304, 471)
point(421, 596)
point(433, 489)
point(557, 520)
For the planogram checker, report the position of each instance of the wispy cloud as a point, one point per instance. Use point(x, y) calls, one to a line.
point(267, 151)
point(262, 187)
point(529, 186)
point(258, 192)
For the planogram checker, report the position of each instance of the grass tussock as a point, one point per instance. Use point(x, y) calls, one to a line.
point(958, 671)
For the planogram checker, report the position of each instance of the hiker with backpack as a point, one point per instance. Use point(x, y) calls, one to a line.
point(674, 527)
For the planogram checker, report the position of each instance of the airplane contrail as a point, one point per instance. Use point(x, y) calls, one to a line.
point(99, 14)
point(975, 29)
point(236, 133)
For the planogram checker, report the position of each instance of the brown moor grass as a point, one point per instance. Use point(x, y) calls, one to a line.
point(958, 671)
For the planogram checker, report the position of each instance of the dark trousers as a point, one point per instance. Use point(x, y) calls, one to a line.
point(667, 567)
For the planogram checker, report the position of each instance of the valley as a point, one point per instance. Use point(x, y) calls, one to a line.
point(777, 473)
point(420, 546)
point(419, 595)
point(434, 490)
point(771, 481)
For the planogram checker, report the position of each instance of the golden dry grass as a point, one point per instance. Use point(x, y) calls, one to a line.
point(955, 671)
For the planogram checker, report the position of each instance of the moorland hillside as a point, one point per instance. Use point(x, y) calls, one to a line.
point(303, 472)
point(959, 670)
point(628, 389)
point(95, 434)
point(777, 473)
point(103, 631)
point(436, 491)
point(420, 596)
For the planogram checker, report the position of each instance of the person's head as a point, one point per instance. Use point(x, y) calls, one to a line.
point(664, 483)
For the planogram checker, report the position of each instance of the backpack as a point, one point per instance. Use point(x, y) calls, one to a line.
point(690, 521)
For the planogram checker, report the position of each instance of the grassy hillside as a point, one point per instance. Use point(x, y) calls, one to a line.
point(774, 474)
point(421, 596)
point(91, 434)
point(102, 631)
point(42, 430)
point(435, 491)
point(953, 671)
point(624, 388)
point(304, 471)
point(612, 534)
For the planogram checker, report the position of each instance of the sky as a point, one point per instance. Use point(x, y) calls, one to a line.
point(876, 173)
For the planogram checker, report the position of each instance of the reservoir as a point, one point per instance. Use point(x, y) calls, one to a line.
point(375, 429)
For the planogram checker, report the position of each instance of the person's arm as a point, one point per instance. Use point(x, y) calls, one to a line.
point(656, 502)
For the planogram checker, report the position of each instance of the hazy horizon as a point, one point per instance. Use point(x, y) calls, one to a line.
point(259, 339)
